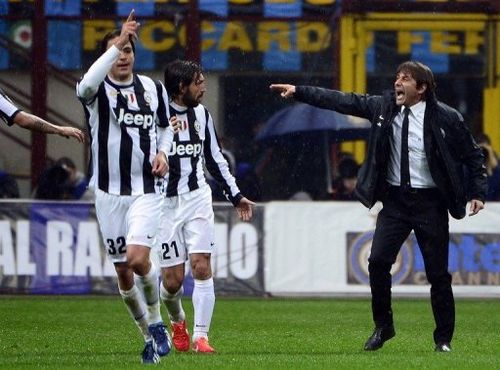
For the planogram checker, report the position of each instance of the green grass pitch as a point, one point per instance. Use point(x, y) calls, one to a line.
point(262, 333)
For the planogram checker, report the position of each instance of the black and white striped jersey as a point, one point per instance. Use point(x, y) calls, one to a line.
point(193, 147)
point(7, 109)
point(123, 121)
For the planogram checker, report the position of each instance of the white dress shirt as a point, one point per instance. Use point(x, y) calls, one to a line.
point(420, 176)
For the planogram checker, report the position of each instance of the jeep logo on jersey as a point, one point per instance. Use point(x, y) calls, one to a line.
point(185, 150)
point(134, 118)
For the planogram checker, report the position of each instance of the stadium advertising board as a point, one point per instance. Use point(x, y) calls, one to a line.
point(279, 45)
point(473, 260)
point(56, 248)
point(290, 248)
point(267, 8)
point(330, 244)
point(268, 41)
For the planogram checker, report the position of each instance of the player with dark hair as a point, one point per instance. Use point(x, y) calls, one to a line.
point(415, 164)
point(127, 116)
point(187, 224)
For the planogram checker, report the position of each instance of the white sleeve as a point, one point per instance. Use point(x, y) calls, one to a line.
point(164, 130)
point(7, 109)
point(89, 84)
point(165, 139)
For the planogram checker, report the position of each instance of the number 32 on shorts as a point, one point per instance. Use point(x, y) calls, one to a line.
point(117, 247)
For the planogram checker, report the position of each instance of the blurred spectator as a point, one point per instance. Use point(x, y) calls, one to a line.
point(345, 184)
point(244, 172)
point(53, 183)
point(248, 181)
point(492, 167)
point(8, 186)
point(77, 184)
point(61, 180)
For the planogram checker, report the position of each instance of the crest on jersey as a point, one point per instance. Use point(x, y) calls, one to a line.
point(147, 97)
point(197, 127)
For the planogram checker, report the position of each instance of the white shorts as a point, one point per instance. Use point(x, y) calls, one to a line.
point(125, 220)
point(186, 227)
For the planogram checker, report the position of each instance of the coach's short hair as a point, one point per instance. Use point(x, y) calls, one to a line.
point(111, 35)
point(180, 72)
point(422, 75)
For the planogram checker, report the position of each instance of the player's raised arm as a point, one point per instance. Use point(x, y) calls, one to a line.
point(128, 31)
point(111, 52)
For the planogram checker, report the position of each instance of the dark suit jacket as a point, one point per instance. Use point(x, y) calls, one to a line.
point(450, 148)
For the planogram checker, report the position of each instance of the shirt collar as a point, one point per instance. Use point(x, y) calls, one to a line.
point(415, 109)
point(179, 108)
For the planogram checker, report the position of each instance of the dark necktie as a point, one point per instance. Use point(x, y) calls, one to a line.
point(405, 162)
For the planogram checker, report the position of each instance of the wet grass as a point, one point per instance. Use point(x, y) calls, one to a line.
point(262, 333)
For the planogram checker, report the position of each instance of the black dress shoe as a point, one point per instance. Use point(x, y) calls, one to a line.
point(379, 336)
point(443, 347)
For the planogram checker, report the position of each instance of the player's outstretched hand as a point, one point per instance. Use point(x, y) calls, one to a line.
point(245, 209)
point(285, 90)
point(160, 165)
point(68, 132)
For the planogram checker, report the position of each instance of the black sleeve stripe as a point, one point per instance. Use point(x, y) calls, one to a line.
point(210, 162)
point(13, 117)
point(7, 119)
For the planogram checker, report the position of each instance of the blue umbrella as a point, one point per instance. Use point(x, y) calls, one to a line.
point(321, 126)
point(304, 118)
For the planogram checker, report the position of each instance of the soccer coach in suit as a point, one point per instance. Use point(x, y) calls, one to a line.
point(417, 152)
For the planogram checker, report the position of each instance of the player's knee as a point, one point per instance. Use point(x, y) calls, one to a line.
point(200, 266)
point(172, 281)
point(139, 265)
point(172, 285)
point(173, 288)
point(125, 276)
point(138, 258)
point(202, 271)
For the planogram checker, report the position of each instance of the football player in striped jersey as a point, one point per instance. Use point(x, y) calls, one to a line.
point(127, 115)
point(187, 224)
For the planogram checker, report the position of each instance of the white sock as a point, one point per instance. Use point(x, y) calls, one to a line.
point(137, 309)
point(173, 303)
point(203, 304)
point(150, 290)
